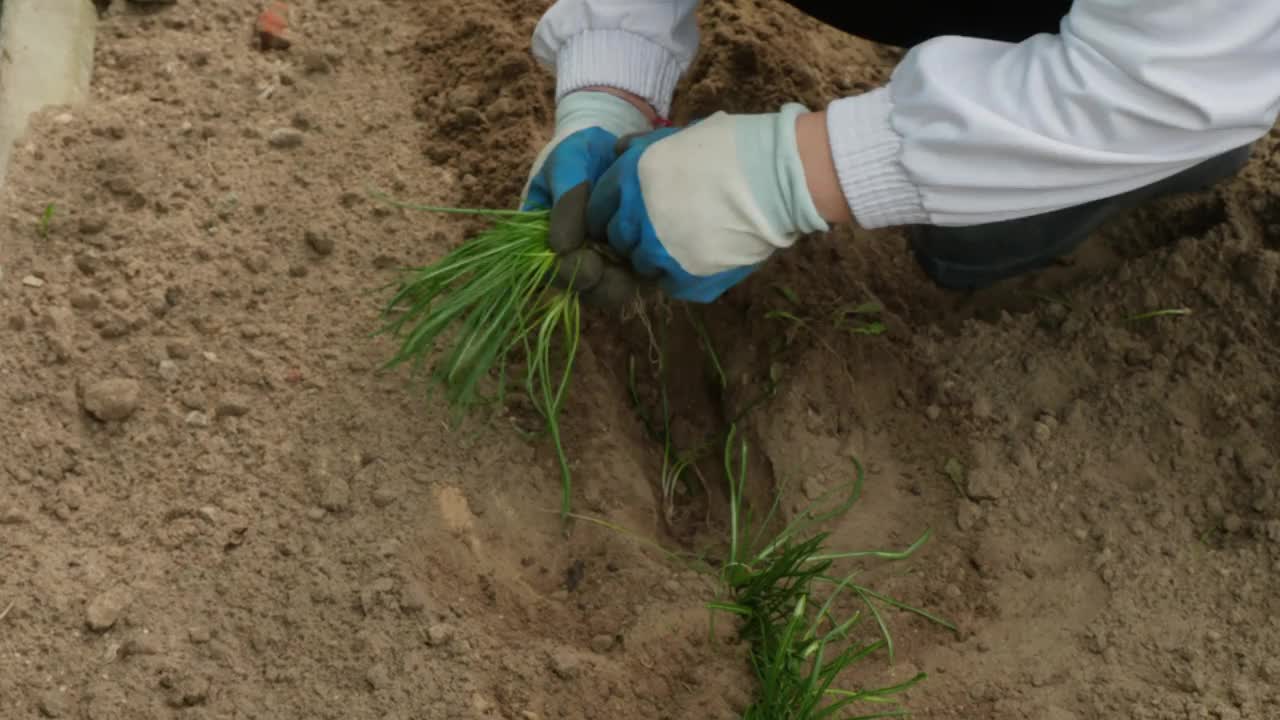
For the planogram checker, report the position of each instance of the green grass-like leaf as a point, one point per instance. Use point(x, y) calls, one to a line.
point(463, 316)
point(799, 652)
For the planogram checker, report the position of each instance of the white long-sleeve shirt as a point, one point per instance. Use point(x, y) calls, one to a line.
point(971, 131)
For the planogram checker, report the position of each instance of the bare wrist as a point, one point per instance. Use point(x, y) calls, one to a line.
point(814, 144)
point(640, 103)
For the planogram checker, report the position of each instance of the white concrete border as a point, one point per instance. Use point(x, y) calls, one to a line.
point(46, 58)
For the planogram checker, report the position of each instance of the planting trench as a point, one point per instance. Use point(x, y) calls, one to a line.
point(275, 529)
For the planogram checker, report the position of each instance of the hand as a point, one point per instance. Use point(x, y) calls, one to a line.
point(700, 208)
point(587, 128)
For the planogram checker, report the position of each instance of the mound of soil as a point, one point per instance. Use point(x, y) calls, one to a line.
point(212, 501)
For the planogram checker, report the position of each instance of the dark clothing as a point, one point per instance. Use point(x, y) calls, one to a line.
point(910, 22)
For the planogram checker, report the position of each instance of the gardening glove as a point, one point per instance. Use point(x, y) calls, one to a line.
point(588, 125)
point(700, 208)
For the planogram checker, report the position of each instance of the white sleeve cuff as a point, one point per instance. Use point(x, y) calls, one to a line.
point(618, 59)
point(867, 154)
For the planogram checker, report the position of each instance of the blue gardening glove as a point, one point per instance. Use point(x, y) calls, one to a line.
point(588, 125)
point(700, 208)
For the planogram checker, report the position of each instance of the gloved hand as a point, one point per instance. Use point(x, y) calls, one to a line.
point(588, 124)
point(700, 208)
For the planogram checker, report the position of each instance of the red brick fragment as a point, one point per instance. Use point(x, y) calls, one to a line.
point(273, 27)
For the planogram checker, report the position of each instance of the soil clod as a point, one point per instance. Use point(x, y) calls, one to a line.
point(565, 664)
point(440, 635)
point(113, 399)
point(105, 610)
point(335, 494)
point(54, 703)
point(319, 241)
point(285, 138)
point(232, 405)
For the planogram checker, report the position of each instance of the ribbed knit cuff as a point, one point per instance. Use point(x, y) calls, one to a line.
point(867, 154)
point(618, 59)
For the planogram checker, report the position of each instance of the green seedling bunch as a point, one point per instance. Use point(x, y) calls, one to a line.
point(787, 595)
point(464, 317)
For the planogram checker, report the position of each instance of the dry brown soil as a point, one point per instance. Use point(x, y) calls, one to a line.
point(263, 526)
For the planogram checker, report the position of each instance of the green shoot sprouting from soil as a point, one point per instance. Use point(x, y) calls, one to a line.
point(799, 650)
point(492, 295)
point(46, 218)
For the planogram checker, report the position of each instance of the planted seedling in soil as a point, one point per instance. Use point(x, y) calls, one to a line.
point(784, 591)
point(800, 642)
point(46, 218)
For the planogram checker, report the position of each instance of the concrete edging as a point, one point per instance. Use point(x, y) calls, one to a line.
point(46, 58)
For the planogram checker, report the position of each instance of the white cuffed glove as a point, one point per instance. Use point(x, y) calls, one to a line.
point(700, 208)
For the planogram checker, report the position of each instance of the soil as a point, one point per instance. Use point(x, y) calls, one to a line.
point(212, 504)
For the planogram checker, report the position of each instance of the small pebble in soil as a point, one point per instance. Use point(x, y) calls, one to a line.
point(113, 399)
point(319, 241)
point(933, 412)
point(87, 263)
point(12, 516)
point(314, 62)
point(232, 406)
point(1162, 520)
point(285, 138)
point(565, 664)
point(316, 513)
point(142, 645)
point(988, 484)
point(32, 281)
point(256, 263)
point(813, 488)
point(1042, 432)
point(92, 225)
point(199, 634)
point(602, 643)
point(197, 419)
point(378, 677)
point(85, 299)
point(178, 349)
point(115, 327)
point(168, 370)
point(464, 95)
point(335, 495)
point(186, 690)
point(968, 515)
point(385, 494)
point(1232, 523)
point(72, 494)
point(105, 610)
point(54, 703)
point(440, 634)
point(119, 298)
